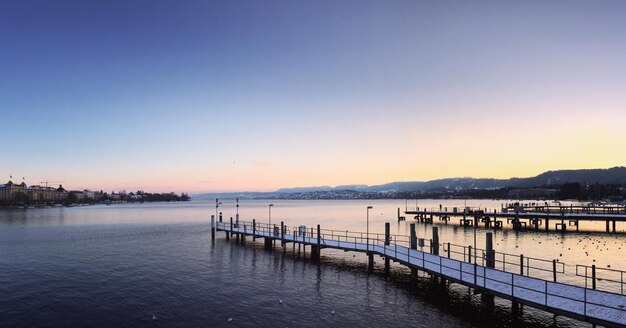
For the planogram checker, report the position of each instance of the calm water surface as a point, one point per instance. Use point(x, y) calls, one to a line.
point(121, 265)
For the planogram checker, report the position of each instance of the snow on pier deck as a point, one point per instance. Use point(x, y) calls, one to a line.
point(580, 302)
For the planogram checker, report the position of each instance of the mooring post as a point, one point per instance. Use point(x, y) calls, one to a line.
point(370, 262)
point(282, 234)
point(387, 242)
point(318, 250)
point(593, 276)
point(212, 226)
point(490, 252)
point(231, 225)
point(413, 236)
point(435, 241)
point(253, 229)
point(229, 231)
point(413, 245)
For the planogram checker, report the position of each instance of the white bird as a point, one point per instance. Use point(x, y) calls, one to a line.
point(332, 312)
point(154, 317)
point(230, 319)
point(280, 301)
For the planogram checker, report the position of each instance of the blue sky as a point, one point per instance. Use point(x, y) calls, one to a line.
point(243, 95)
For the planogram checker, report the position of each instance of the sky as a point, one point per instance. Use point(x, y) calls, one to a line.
point(195, 96)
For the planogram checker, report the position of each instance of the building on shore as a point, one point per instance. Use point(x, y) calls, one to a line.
point(12, 191)
point(533, 193)
point(16, 194)
point(40, 194)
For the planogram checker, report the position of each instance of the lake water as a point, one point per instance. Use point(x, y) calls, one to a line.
point(121, 265)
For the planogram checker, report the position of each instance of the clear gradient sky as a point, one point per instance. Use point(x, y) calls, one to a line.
point(257, 95)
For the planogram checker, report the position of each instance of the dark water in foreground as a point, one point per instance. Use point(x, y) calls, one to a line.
point(92, 267)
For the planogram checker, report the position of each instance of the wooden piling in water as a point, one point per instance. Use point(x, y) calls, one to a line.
point(614, 226)
point(489, 249)
point(387, 242)
point(435, 241)
point(228, 233)
point(213, 227)
point(318, 249)
point(413, 245)
point(282, 234)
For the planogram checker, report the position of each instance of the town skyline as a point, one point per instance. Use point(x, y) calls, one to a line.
point(609, 176)
point(228, 96)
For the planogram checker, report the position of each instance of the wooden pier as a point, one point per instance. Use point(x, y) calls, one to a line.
point(523, 218)
point(523, 280)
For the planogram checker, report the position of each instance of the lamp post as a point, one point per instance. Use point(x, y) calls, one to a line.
point(270, 215)
point(367, 227)
point(217, 205)
point(237, 215)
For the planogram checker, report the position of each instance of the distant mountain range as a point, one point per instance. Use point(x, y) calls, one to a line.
point(615, 175)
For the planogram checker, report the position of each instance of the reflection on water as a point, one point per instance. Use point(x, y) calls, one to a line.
point(120, 265)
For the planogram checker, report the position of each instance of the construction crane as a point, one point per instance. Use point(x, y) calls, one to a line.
point(47, 182)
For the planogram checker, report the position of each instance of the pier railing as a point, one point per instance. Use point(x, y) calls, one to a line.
point(611, 280)
point(495, 274)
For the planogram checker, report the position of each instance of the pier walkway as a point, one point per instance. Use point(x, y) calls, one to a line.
point(486, 271)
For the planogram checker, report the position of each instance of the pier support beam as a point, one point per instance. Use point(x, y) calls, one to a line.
point(212, 227)
point(370, 262)
point(607, 226)
point(268, 243)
